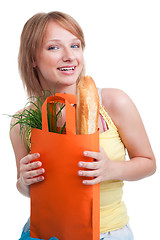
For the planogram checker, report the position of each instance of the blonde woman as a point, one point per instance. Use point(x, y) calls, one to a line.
point(51, 50)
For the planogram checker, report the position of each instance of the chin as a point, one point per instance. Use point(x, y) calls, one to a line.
point(68, 80)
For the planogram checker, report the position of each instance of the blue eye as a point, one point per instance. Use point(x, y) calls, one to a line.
point(52, 48)
point(75, 46)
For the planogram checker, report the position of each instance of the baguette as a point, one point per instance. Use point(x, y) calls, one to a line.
point(87, 110)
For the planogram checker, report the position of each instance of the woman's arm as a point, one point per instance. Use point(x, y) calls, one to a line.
point(27, 173)
point(132, 132)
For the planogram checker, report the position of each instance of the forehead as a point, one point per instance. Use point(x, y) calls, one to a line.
point(54, 31)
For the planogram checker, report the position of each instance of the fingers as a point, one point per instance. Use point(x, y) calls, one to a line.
point(30, 171)
point(95, 155)
point(92, 182)
point(29, 158)
point(89, 165)
point(34, 173)
point(95, 168)
point(28, 182)
point(94, 173)
point(33, 165)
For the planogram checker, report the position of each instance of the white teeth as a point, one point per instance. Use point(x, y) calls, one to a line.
point(66, 69)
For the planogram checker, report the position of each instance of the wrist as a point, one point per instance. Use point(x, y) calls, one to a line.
point(23, 188)
point(118, 170)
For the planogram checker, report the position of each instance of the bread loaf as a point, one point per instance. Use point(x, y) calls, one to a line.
point(87, 111)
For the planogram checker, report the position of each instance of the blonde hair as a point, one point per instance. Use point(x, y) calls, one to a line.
point(31, 39)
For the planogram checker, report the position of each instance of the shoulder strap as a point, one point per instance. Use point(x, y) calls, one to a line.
point(104, 114)
point(107, 118)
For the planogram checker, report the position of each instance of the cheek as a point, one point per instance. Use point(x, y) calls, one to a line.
point(46, 65)
point(80, 59)
point(51, 61)
point(47, 60)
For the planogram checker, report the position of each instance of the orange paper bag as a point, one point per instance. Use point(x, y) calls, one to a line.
point(61, 206)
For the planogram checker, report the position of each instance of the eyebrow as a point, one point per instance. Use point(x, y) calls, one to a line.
point(58, 40)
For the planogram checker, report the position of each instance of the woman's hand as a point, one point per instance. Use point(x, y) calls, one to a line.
point(102, 169)
point(30, 172)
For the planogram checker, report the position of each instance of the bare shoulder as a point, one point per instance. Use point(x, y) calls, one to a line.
point(117, 104)
point(114, 98)
point(130, 126)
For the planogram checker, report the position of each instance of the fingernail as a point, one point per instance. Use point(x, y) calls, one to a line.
point(85, 153)
point(37, 155)
point(80, 164)
point(42, 170)
point(39, 163)
point(80, 173)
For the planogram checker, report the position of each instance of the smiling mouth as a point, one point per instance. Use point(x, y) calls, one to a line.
point(66, 68)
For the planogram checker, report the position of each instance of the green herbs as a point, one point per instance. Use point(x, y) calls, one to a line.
point(53, 117)
point(31, 117)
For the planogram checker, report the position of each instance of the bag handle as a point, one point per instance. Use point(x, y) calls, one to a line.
point(68, 99)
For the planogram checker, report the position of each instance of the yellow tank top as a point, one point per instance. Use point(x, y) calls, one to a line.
point(113, 213)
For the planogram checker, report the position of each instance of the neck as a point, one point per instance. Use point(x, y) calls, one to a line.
point(58, 88)
point(66, 89)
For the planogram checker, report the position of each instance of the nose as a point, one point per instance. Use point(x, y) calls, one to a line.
point(68, 55)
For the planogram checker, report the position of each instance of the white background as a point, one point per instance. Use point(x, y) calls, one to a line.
point(122, 51)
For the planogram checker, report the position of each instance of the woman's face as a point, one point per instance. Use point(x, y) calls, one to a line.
point(60, 57)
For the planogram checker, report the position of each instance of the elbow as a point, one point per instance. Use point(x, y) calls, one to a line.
point(153, 167)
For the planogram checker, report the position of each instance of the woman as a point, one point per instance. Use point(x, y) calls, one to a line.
point(51, 50)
